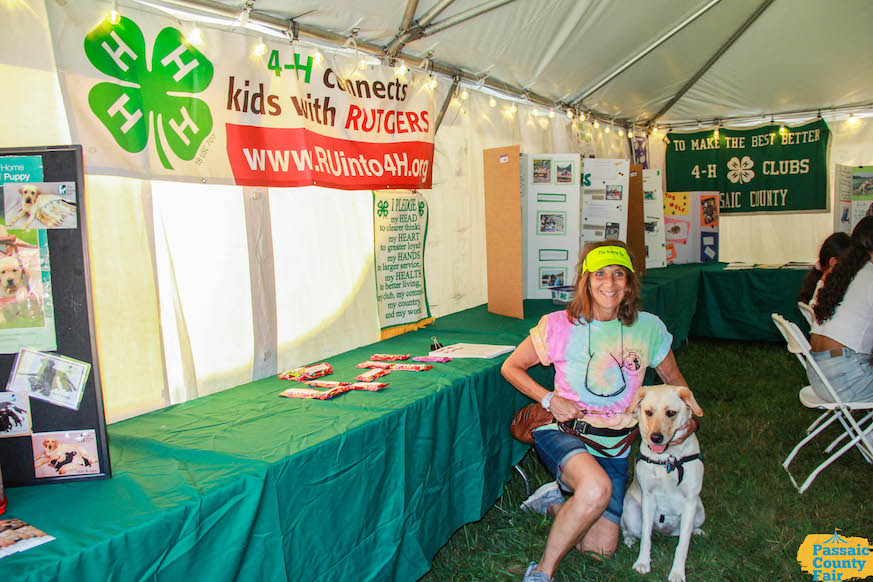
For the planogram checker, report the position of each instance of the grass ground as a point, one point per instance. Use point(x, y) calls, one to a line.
point(755, 519)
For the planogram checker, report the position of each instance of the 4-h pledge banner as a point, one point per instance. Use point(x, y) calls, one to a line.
point(146, 103)
point(754, 170)
point(400, 227)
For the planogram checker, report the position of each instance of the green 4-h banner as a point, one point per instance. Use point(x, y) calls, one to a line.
point(765, 169)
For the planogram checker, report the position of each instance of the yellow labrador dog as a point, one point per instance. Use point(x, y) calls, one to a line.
point(48, 209)
point(665, 493)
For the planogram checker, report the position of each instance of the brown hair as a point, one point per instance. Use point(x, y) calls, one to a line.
point(850, 262)
point(832, 247)
point(581, 309)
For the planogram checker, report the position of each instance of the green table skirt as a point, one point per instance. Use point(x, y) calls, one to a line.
point(246, 485)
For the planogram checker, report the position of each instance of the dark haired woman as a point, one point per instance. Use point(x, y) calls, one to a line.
point(842, 333)
point(600, 346)
point(832, 247)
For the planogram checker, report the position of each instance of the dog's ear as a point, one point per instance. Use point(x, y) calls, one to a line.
point(21, 189)
point(686, 395)
point(641, 393)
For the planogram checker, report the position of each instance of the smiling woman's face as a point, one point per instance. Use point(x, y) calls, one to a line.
point(607, 286)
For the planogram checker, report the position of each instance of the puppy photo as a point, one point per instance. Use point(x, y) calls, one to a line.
point(34, 203)
point(20, 306)
point(49, 377)
point(73, 453)
point(14, 414)
point(668, 476)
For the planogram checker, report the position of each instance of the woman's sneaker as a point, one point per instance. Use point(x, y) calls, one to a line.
point(533, 575)
point(542, 498)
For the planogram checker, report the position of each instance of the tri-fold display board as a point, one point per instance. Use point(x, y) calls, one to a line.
point(52, 426)
point(540, 209)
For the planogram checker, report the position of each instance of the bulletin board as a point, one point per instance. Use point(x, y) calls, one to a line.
point(52, 426)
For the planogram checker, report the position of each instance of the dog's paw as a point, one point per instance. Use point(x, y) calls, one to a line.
point(698, 532)
point(630, 541)
point(642, 567)
point(676, 576)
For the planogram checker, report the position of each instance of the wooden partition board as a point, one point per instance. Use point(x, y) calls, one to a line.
point(636, 235)
point(503, 244)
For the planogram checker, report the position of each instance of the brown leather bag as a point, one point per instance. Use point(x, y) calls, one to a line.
point(527, 419)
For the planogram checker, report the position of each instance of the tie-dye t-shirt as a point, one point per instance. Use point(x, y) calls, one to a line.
point(614, 348)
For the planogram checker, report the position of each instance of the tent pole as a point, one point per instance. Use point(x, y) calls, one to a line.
point(577, 101)
point(448, 100)
point(412, 33)
point(463, 16)
point(409, 15)
point(691, 82)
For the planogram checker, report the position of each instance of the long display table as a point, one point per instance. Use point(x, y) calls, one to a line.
point(247, 485)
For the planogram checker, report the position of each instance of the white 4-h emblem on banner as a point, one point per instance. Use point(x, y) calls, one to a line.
point(740, 170)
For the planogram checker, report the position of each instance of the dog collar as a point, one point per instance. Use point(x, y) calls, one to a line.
point(672, 463)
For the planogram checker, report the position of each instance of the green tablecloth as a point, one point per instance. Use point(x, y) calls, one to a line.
point(244, 484)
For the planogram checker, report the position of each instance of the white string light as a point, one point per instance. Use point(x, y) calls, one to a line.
point(464, 95)
point(570, 113)
point(596, 124)
point(492, 102)
point(852, 119)
point(114, 17)
point(551, 114)
point(195, 37)
point(401, 69)
point(260, 48)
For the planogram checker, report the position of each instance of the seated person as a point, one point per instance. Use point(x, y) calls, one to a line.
point(842, 333)
point(600, 346)
point(832, 247)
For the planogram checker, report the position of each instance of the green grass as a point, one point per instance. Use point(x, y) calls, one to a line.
point(755, 519)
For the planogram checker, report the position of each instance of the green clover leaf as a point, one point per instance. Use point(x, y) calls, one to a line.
point(421, 208)
point(383, 209)
point(146, 96)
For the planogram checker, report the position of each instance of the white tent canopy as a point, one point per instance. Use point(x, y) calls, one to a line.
point(171, 327)
point(628, 59)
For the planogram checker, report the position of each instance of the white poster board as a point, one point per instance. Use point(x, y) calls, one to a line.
point(605, 191)
point(653, 219)
point(843, 198)
point(691, 227)
point(550, 215)
point(400, 225)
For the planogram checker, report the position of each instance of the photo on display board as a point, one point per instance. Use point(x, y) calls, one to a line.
point(593, 232)
point(596, 193)
point(709, 210)
point(651, 226)
point(551, 222)
point(649, 195)
point(14, 414)
point(677, 230)
point(565, 172)
point(55, 379)
point(23, 292)
point(542, 171)
point(613, 192)
point(708, 246)
point(552, 277)
point(62, 453)
point(612, 229)
point(40, 205)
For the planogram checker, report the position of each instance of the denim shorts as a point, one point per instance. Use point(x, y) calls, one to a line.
point(850, 374)
point(556, 448)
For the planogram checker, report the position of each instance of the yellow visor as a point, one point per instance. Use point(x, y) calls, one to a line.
point(604, 256)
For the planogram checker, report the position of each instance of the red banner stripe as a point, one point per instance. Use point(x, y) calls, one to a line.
point(280, 157)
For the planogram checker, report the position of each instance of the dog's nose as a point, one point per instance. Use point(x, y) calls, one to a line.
point(657, 438)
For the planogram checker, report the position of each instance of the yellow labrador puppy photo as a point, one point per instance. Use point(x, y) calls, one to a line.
point(48, 209)
point(65, 458)
point(668, 476)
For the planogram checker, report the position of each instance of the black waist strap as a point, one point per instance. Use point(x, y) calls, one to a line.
point(578, 427)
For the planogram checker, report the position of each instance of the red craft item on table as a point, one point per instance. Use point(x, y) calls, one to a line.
point(389, 357)
point(372, 374)
point(371, 364)
point(307, 372)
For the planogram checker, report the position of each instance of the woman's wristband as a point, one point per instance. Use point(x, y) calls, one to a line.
point(546, 402)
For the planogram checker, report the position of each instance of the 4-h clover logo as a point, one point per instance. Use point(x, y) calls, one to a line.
point(421, 208)
point(740, 170)
point(383, 208)
point(149, 95)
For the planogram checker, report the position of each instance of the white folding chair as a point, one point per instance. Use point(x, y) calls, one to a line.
point(806, 311)
point(860, 434)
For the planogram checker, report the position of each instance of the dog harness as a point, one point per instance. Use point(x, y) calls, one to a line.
point(672, 463)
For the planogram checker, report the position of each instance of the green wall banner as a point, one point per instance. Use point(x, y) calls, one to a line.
point(765, 169)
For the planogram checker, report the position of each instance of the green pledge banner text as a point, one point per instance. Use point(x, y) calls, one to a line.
point(766, 169)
